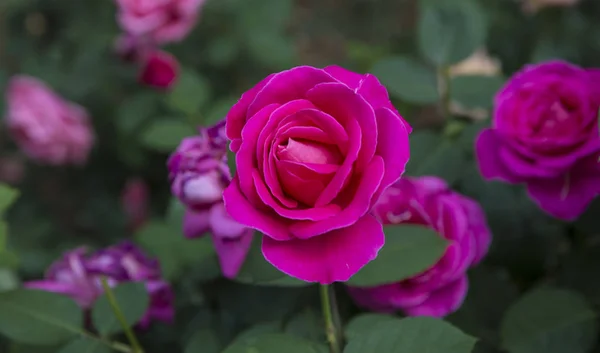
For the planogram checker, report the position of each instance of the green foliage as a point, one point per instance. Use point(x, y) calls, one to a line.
point(409, 250)
point(133, 300)
point(273, 343)
point(407, 79)
point(165, 135)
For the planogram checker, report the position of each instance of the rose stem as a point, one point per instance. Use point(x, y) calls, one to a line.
point(329, 307)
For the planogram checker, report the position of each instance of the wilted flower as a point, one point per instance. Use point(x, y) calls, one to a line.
point(134, 200)
point(199, 173)
point(46, 127)
point(442, 288)
point(78, 275)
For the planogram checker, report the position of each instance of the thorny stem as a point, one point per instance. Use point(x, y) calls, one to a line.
point(135, 344)
point(330, 315)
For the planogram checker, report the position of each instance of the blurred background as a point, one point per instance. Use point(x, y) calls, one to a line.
point(123, 190)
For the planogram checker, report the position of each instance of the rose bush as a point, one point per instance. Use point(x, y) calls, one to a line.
point(545, 134)
point(314, 150)
point(441, 289)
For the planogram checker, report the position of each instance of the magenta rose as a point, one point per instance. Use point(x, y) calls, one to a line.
point(46, 127)
point(442, 288)
point(314, 150)
point(161, 21)
point(159, 69)
point(544, 134)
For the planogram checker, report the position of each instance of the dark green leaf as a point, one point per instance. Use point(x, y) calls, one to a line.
point(203, 341)
point(409, 250)
point(450, 31)
point(165, 135)
point(475, 91)
point(38, 317)
point(422, 144)
point(365, 322)
point(307, 324)
point(256, 270)
point(133, 300)
point(407, 79)
point(550, 321)
point(218, 111)
point(85, 345)
point(447, 161)
point(259, 330)
point(8, 196)
point(135, 111)
point(272, 49)
point(231, 162)
point(190, 93)
point(411, 335)
point(273, 343)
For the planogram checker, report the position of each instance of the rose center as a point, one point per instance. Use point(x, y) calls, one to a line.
point(304, 151)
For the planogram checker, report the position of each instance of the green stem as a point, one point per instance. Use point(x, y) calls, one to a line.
point(135, 344)
point(329, 315)
point(444, 90)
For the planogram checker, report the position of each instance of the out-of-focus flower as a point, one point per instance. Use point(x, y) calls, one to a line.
point(315, 148)
point(162, 21)
point(442, 288)
point(134, 200)
point(132, 49)
point(545, 135)
point(47, 128)
point(78, 275)
point(159, 69)
point(12, 169)
point(479, 63)
point(199, 173)
point(532, 6)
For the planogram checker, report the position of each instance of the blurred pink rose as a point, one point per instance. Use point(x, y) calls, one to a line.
point(46, 127)
point(545, 135)
point(161, 20)
point(134, 200)
point(315, 148)
point(159, 69)
point(441, 289)
point(536, 5)
point(199, 173)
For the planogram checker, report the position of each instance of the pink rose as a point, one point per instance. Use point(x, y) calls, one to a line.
point(441, 289)
point(159, 69)
point(161, 20)
point(199, 173)
point(314, 150)
point(46, 127)
point(135, 202)
point(544, 134)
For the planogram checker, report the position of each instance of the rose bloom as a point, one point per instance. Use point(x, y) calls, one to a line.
point(159, 69)
point(161, 20)
point(315, 148)
point(78, 275)
point(442, 288)
point(544, 134)
point(199, 173)
point(135, 203)
point(47, 128)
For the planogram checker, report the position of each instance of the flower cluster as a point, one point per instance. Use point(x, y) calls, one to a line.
point(545, 135)
point(49, 129)
point(79, 275)
point(442, 288)
point(199, 173)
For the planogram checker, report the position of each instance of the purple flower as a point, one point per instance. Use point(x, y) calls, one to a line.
point(441, 289)
point(545, 135)
point(78, 275)
point(199, 173)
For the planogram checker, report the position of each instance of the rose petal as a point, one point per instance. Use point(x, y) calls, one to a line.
point(566, 197)
point(305, 190)
point(222, 225)
point(195, 223)
point(359, 204)
point(349, 78)
point(490, 164)
point(443, 301)
point(242, 211)
point(232, 252)
point(375, 93)
point(331, 257)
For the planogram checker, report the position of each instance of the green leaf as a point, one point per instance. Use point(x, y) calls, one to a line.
point(307, 324)
point(134, 111)
point(190, 93)
point(407, 79)
point(422, 144)
point(8, 196)
point(259, 330)
point(165, 135)
point(133, 300)
point(219, 110)
point(475, 91)
point(204, 341)
point(450, 31)
point(39, 317)
point(447, 160)
point(409, 250)
point(256, 270)
point(85, 345)
point(8, 280)
point(551, 321)
point(231, 162)
point(364, 322)
point(411, 335)
point(273, 343)
point(271, 49)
